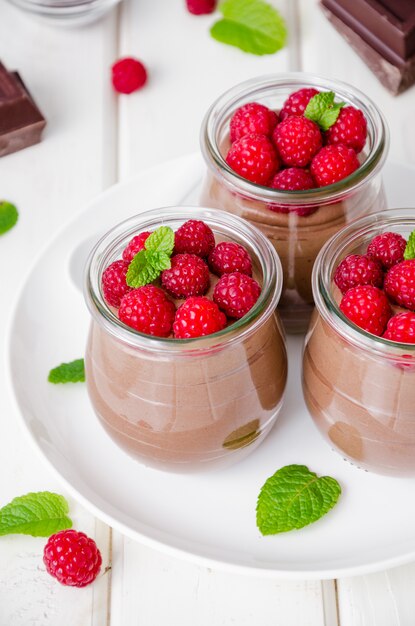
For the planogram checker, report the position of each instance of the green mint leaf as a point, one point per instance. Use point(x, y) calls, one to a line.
point(73, 372)
point(252, 25)
point(159, 260)
point(293, 498)
point(161, 240)
point(8, 216)
point(141, 271)
point(38, 514)
point(323, 110)
point(410, 247)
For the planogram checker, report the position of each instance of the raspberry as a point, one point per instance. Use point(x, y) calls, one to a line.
point(367, 307)
point(236, 294)
point(293, 179)
point(252, 118)
point(148, 310)
point(297, 140)
point(387, 248)
point(72, 558)
point(194, 237)
point(201, 7)
point(253, 157)
point(333, 163)
point(187, 276)
point(358, 269)
point(128, 75)
point(230, 257)
point(297, 102)
point(135, 245)
point(350, 129)
point(400, 284)
point(114, 286)
point(401, 328)
point(197, 317)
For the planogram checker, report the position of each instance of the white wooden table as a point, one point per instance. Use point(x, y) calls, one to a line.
point(93, 139)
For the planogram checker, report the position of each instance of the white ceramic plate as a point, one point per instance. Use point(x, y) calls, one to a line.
point(208, 517)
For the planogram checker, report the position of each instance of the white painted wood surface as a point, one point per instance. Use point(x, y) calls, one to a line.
point(93, 139)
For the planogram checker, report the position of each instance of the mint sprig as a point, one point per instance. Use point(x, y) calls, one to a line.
point(73, 372)
point(252, 25)
point(8, 216)
point(323, 110)
point(38, 514)
point(148, 264)
point(293, 498)
point(409, 252)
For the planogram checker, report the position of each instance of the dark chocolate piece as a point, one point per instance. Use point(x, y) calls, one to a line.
point(21, 122)
point(394, 72)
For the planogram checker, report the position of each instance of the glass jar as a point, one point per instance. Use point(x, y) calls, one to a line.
point(297, 238)
point(66, 12)
point(189, 404)
point(359, 388)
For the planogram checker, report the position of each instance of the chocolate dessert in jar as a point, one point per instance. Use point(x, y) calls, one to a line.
point(359, 357)
point(188, 372)
point(297, 194)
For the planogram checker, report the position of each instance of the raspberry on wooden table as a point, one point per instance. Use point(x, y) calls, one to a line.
point(196, 317)
point(332, 164)
point(252, 118)
point(134, 246)
point(148, 310)
point(254, 157)
point(367, 307)
point(358, 269)
point(194, 237)
point(114, 285)
point(297, 139)
point(236, 294)
point(399, 284)
point(401, 327)
point(128, 75)
point(387, 248)
point(72, 558)
point(297, 102)
point(201, 7)
point(350, 129)
point(187, 276)
point(228, 257)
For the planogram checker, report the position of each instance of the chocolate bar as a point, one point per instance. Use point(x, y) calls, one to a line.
point(21, 122)
point(383, 34)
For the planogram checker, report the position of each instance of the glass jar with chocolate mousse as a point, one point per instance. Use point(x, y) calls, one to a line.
point(297, 217)
point(195, 403)
point(359, 357)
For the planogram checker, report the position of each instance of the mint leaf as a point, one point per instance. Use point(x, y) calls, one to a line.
point(410, 247)
point(73, 372)
point(161, 240)
point(38, 514)
point(293, 498)
point(159, 260)
point(140, 271)
point(323, 110)
point(252, 25)
point(8, 216)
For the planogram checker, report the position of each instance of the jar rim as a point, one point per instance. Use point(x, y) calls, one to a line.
point(122, 232)
point(229, 100)
point(322, 274)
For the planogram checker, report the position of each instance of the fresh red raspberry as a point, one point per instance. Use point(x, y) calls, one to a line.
point(236, 294)
point(148, 310)
point(293, 179)
point(367, 307)
point(401, 328)
point(194, 237)
point(333, 163)
point(187, 276)
point(297, 102)
point(298, 140)
point(196, 317)
point(358, 269)
point(135, 245)
point(252, 118)
point(72, 558)
point(114, 285)
point(201, 7)
point(387, 248)
point(230, 257)
point(128, 75)
point(253, 157)
point(399, 284)
point(350, 129)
